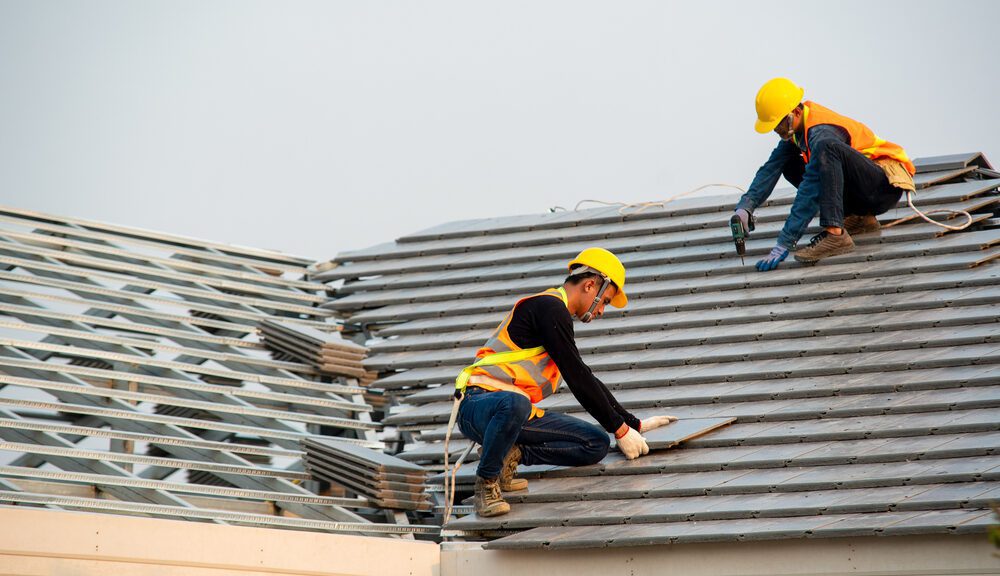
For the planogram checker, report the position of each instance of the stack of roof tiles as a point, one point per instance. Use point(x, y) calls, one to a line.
point(330, 355)
point(864, 388)
point(385, 480)
point(129, 363)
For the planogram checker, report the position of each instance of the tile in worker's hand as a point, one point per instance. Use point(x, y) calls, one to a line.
point(682, 430)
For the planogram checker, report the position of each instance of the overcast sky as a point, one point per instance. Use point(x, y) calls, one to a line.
point(316, 127)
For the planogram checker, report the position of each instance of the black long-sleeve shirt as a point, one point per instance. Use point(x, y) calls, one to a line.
point(545, 321)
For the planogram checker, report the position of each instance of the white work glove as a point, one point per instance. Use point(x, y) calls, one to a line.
point(632, 444)
point(655, 422)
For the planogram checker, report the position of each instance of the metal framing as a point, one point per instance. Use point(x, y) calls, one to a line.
point(152, 345)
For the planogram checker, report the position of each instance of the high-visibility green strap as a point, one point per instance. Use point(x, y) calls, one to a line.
point(493, 360)
point(563, 295)
point(504, 357)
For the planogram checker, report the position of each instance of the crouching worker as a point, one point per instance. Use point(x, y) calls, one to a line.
point(523, 362)
point(838, 166)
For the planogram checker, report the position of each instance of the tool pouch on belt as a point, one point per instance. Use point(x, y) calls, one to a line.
point(896, 173)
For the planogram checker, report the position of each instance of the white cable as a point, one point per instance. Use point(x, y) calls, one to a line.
point(660, 203)
point(919, 214)
point(909, 201)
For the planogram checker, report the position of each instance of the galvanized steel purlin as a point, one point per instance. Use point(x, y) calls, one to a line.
point(125, 326)
point(120, 280)
point(167, 241)
point(872, 370)
point(309, 510)
point(248, 281)
point(215, 388)
point(219, 515)
point(151, 438)
point(205, 253)
point(199, 489)
point(140, 280)
point(95, 290)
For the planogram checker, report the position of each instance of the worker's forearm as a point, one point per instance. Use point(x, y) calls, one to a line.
point(594, 402)
point(803, 210)
point(767, 177)
point(557, 336)
point(629, 418)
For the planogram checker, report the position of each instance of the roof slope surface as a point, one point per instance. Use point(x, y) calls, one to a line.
point(864, 388)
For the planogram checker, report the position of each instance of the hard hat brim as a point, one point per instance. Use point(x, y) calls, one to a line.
point(620, 300)
point(764, 127)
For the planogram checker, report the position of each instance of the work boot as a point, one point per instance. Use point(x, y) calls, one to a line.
point(488, 500)
point(824, 245)
point(855, 224)
point(510, 463)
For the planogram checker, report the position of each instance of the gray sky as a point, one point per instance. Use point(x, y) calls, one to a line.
point(316, 127)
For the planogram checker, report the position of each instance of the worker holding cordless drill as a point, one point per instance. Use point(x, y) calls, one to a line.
point(524, 361)
point(839, 167)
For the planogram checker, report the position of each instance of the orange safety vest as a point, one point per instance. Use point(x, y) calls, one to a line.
point(862, 138)
point(503, 365)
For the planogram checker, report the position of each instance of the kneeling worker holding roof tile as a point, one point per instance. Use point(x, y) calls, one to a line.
point(523, 362)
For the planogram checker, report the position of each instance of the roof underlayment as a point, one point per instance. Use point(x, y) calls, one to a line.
point(864, 390)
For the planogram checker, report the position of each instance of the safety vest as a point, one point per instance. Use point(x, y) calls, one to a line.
point(862, 138)
point(503, 365)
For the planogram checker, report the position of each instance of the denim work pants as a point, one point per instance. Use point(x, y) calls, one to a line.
point(849, 182)
point(498, 420)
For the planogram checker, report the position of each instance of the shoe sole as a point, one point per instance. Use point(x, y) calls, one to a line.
point(863, 230)
point(808, 260)
point(492, 514)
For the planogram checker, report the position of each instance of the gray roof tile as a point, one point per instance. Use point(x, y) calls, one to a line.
point(866, 388)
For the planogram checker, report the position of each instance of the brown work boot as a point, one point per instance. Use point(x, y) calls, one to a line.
point(855, 224)
point(824, 245)
point(488, 500)
point(510, 463)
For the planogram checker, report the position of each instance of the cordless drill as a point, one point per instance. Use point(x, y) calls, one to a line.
point(740, 233)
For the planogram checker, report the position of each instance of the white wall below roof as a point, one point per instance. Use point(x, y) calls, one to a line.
point(35, 541)
point(883, 556)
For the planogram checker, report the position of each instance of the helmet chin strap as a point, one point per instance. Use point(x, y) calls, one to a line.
point(589, 314)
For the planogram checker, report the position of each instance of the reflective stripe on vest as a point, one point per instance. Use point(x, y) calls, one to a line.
point(862, 138)
point(530, 370)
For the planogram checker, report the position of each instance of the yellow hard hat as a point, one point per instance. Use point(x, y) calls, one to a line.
point(775, 100)
point(608, 264)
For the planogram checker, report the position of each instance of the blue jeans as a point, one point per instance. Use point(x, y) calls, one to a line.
point(838, 181)
point(850, 183)
point(498, 420)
